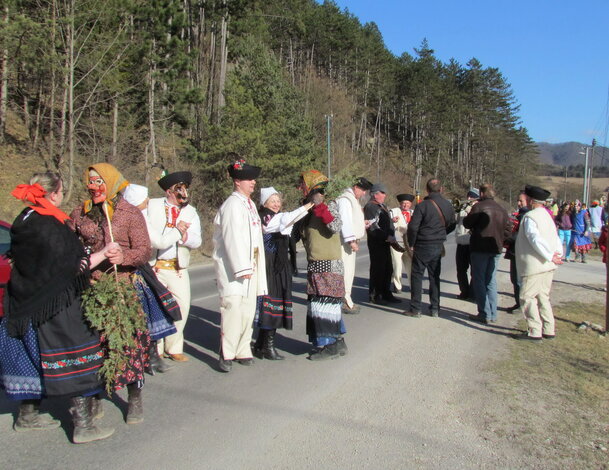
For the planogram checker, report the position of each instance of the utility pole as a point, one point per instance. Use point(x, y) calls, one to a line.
point(565, 198)
point(328, 119)
point(585, 196)
point(590, 185)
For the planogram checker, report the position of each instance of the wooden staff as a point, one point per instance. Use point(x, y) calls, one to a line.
point(105, 206)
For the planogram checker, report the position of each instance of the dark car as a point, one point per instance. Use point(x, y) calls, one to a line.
point(5, 267)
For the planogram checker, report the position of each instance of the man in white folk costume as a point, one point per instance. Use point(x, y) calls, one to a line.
point(402, 261)
point(175, 229)
point(352, 231)
point(240, 265)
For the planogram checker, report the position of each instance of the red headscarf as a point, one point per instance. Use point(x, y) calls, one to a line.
point(33, 195)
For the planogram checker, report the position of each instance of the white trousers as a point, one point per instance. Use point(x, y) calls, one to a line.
point(178, 283)
point(348, 256)
point(236, 324)
point(535, 302)
point(400, 261)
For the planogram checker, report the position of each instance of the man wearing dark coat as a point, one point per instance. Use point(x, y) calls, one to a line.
point(381, 234)
point(432, 220)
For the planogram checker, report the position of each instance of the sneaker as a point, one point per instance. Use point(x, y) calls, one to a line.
point(544, 336)
point(245, 362)
point(434, 313)
point(341, 346)
point(329, 351)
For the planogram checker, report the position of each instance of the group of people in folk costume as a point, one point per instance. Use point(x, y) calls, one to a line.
point(47, 344)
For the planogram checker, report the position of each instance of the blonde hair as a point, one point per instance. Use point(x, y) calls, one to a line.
point(50, 181)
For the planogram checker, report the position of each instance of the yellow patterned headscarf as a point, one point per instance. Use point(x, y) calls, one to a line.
point(313, 179)
point(114, 180)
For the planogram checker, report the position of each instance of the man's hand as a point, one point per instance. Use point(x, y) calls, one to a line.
point(354, 245)
point(557, 258)
point(183, 229)
point(246, 276)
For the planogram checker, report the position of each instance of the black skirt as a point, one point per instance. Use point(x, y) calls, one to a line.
point(70, 353)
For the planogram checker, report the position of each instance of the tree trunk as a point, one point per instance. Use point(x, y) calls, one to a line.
point(70, 74)
point(151, 106)
point(223, 59)
point(114, 154)
point(4, 80)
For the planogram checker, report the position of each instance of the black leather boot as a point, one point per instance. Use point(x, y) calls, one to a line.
point(135, 412)
point(258, 349)
point(269, 351)
point(84, 429)
point(30, 418)
point(97, 408)
point(157, 364)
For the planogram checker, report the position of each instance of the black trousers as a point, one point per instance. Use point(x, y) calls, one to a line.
point(462, 260)
point(426, 257)
point(381, 269)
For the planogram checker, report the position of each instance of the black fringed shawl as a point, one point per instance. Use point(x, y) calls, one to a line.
point(47, 273)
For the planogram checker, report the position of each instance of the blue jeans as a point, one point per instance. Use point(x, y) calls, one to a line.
point(565, 237)
point(484, 274)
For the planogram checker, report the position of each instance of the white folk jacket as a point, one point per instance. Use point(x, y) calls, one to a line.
point(163, 238)
point(236, 233)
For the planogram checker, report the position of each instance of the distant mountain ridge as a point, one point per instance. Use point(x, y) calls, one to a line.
point(567, 154)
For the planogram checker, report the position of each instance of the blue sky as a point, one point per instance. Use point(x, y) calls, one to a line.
point(555, 54)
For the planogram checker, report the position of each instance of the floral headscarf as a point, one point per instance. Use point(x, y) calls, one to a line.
point(114, 180)
point(313, 179)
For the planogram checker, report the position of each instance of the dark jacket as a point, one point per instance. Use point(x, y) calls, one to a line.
point(490, 226)
point(382, 228)
point(426, 226)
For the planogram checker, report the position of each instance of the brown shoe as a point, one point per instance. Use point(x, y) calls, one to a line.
point(177, 357)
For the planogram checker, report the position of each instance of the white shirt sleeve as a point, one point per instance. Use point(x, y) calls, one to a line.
point(344, 209)
point(545, 248)
point(193, 240)
point(284, 221)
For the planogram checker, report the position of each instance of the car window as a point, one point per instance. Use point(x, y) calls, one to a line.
point(5, 239)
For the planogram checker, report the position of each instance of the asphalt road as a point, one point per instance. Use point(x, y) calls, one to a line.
point(407, 395)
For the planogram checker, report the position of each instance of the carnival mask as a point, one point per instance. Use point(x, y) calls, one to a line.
point(180, 191)
point(97, 187)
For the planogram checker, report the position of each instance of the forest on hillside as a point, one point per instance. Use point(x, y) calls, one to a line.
point(180, 83)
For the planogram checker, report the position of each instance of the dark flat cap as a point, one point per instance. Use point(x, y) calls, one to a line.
point(169, 180)
point(378, 187)
point(405, 197)
point(240, 170)
point(537, 193)
point(363, 183)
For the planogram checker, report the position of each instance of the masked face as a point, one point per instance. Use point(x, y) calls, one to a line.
point(178, 194)
point(97, 187)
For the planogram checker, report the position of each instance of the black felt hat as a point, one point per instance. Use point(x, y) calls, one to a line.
point(537, 193)
point(363, 183)
point(169, 180)
point(405, 197)
point(240, 170)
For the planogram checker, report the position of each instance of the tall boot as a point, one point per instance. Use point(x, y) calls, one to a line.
point(269, 350)
point(97, 408)
point(135, 412)
point(157, 364)
point(30, 418)
point(84, 429)
point(258, 349)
